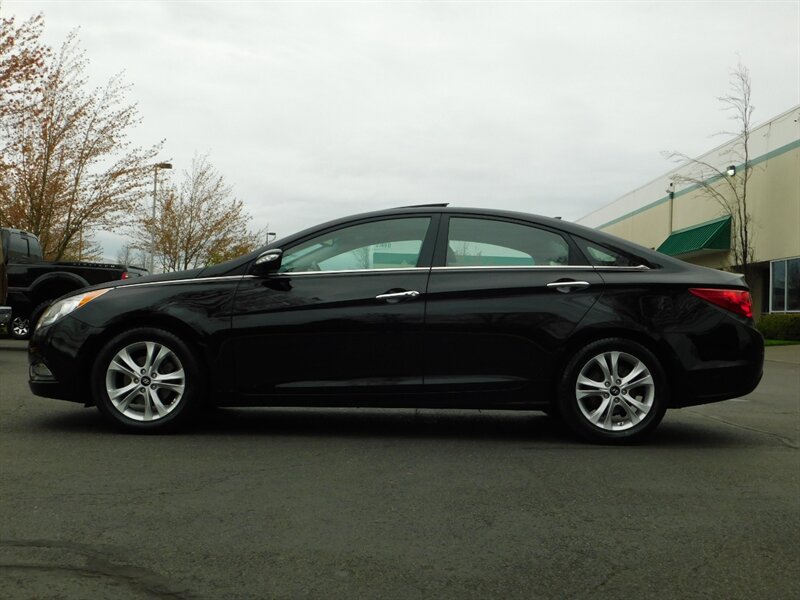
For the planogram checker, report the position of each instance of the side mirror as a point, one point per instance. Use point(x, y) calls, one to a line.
point(267, 262)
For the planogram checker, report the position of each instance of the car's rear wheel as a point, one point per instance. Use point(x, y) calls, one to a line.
point(146, 380)
point(613, 390)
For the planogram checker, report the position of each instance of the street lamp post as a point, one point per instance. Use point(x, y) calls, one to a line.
point(156, 167)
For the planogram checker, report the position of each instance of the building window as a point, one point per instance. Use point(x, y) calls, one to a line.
point(785, 285)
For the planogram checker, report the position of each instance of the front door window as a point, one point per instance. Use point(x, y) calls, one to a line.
point(387, 244)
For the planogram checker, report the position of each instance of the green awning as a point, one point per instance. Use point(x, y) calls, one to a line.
point(714, 236)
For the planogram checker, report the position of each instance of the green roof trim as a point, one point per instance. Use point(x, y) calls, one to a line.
point(763, 158)
point(714, 236)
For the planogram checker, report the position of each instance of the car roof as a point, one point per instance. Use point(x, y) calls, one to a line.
point(554, 222)
point(599, 237)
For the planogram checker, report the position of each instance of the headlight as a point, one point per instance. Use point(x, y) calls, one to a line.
point(63, 307)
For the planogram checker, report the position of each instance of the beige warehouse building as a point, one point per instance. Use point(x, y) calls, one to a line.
point(684, 220)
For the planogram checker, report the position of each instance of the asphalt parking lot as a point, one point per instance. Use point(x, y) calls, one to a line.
point(274, 503)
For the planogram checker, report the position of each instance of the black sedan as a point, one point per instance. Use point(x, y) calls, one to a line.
point(424, 306)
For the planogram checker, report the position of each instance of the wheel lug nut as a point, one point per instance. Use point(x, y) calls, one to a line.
point(605, 395)
point(142, 371)
point(135, 381)
point(618, 381)
point(608, 383)
point(152, 387)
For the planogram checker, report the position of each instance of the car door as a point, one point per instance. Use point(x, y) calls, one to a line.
point(343, 314)
point(502, 298)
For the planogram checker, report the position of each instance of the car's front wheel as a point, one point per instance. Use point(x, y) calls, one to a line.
point(146, 380)
point(613, 390)
point(19, 328)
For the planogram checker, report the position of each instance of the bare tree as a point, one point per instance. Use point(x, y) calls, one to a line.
point(729, 191)
point(363, 257)
point(125, 254)
point(198, 224)
point(68, 167)
point(132, 255)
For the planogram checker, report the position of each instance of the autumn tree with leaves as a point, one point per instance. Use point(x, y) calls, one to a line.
point(22, 61)
point(729, 191)
point(67, 165)
point(198, 223)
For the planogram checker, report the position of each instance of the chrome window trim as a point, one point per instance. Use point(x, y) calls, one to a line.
point(539, 268)
point(390, 270)
point(636, 268)
point(346, 271)
point(516, 268)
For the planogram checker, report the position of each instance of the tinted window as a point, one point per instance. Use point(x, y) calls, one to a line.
point(17, 246)
point(786, 285)
point(779, 285)
point(34, 248)
point(484, 242)
point(601, 256)
point(793, 284)
point(388, 244)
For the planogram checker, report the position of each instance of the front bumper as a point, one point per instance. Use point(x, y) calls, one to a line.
point(56, 365)
point(51, 389)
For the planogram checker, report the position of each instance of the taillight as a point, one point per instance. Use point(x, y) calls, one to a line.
point(736, 301)
point(124, 275)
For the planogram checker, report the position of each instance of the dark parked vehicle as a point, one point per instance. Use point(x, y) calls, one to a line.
point(5, 311)
point(422, 306)
point(34, 283)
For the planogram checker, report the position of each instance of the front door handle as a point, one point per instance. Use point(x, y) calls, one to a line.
point(566, 287)
point(397, 296)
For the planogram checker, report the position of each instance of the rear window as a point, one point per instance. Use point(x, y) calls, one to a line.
point(17, 246)
point(603, 256)
point(22, 248)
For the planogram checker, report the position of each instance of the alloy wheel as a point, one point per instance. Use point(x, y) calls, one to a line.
point(20, 327)
point(145, 381)
point(615, 391)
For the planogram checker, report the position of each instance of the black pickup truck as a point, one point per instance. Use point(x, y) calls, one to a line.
point(5, 311)
point(34, 283)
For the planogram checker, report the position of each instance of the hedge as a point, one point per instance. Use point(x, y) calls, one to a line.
point(780, 326)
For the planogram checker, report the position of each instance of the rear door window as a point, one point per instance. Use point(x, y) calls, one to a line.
point(489, 243)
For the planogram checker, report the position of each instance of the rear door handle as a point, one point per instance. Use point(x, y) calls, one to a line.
point(397, 296)
point(567, 286)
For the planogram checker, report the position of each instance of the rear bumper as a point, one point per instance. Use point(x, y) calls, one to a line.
point(716, 384)
point(727, 364)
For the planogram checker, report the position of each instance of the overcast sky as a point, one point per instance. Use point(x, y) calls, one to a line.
point(318, 110)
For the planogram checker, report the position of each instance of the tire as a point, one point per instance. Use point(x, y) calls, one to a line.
point(613, 391)
point(19, 328)
point(146, 380)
